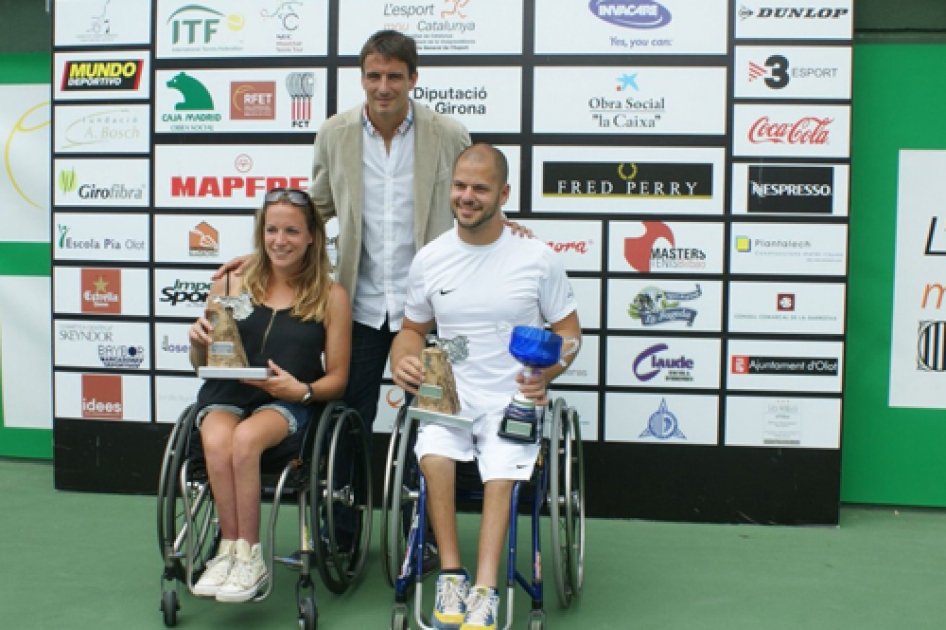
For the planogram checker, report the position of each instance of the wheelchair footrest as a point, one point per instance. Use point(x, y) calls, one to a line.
point(439, 418)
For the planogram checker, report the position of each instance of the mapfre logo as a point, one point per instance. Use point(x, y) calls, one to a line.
point(253, 100)
point(101, 290)
point(102, 396)
point(203, 241)
point(120, 74)
point(235, 185)
point(808, 130)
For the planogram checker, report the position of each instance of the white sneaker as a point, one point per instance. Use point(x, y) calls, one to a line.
point(216, 572)
point(247, 575)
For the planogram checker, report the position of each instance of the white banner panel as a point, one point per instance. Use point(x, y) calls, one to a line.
point(588, 294)
point(24, 163)
point(786, 308)
point(104, 23)
point(102, 344)
point(630, 100)
point(794, 366)
point(586, 406)
point(918, 342)
point(646, 180)
point(25, 352)
point(187, 238)
point(822, 131)
point(584, 369)
point(789, 248)
point(577, 243)
point(230, 177)
point(181, 292)
point(811, 190)
point(103, 396)
point(450, 27)
point(102, 129)
point(247, 100)
point(172, 347)
point(120, 183)
point(665, 247)
point(101, 291)
point(173, 394)
point(661, 419)
point(763, 19)
point(783, 422)
point(664, 305)
point(241, 28)
point(110, 237)
point(663, 362)
point(390, 400)
point(619, 27)
point(803, 72)
point(97, 76)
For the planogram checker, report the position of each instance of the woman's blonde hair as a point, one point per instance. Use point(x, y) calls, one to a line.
point(313, 283)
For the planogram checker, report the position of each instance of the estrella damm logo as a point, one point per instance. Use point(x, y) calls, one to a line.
point(121, 74)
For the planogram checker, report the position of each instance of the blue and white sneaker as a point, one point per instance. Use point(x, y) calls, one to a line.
point(482, 608)
point(449, 606)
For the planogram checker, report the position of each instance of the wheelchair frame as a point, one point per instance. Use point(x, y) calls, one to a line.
point(188, 529)
point(557, 489)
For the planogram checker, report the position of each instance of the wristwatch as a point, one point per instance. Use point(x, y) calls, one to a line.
point(308, 397)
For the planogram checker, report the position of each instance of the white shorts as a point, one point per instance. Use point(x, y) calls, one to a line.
point(496, 457)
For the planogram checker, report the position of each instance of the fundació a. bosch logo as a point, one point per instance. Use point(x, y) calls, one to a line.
point(631, 13)
point(931, 347)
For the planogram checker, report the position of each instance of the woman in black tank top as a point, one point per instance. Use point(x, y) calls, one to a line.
point(294, 320)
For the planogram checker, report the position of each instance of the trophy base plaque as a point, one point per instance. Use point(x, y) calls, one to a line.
point(234, 373)
point(520, 421)
point(417, 413)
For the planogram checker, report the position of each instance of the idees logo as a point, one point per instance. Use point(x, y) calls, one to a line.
point(102, 396)
point(931, 347)
point(631, 13)
point(101, 290)
point(785, 189)
point(623, 179)
point(654, 306)
point(120, 74)
point(663, 424)
point(642, 254)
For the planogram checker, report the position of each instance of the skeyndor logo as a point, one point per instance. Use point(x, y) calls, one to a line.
point(68, 180)
point(631, 13)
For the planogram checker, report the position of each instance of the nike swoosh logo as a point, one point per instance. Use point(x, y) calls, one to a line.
point(446, 291)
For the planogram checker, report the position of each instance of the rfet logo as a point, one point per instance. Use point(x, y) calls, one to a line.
point(229, 186)
point(102, 396)
point(631, 13)
point(253, 100)
point(203, 240)
point(101, 290)
point(807, 130)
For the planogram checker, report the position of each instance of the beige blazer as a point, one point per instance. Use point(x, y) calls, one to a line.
point(336, 180)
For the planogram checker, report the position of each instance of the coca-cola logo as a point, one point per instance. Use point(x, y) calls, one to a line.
point(807, 130)
point(562, 247)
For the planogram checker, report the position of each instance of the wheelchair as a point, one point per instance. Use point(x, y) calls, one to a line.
point(556, 490)
point(303, 468)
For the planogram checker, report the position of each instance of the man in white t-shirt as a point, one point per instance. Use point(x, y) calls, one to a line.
point(478, 281)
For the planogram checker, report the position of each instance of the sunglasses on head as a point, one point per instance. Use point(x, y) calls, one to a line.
point(295, 196)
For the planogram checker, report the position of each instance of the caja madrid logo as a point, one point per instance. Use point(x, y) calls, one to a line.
point(101, 290)
point(102, 396)
point(807, 130)
point(120, 74)
point(631, 13)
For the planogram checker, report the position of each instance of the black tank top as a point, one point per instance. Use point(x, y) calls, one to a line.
point(292, 344)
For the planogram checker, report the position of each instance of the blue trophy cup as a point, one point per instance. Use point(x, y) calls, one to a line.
point(534, 348)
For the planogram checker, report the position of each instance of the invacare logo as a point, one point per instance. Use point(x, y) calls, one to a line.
point(631, 14)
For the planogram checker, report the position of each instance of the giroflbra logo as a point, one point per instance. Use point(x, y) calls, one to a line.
point(808, 130)
point(580, 247)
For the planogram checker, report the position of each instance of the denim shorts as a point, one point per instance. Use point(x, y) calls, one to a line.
point(296, 414)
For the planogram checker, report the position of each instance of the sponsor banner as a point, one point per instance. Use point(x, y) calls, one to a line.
point(661, 418)
point(588, 294)
point(664, 305)
point(663, 362)
point(584, 369)
point(764, 19)
point(786, 308)
point(188, 238)
point(813, 190)
point(793, 72)
point(485, 100)
point(242, 28)
point(181, 292)
point(577, 243)
point(630, 100)
point(102, 183)
point(620, 27)
point(644, 180)
point(273, 100)
point(449, 27)
point(789, 249)
point(102, 129)
point(231, 177)
point(25, 352)
point(918, 342)
point(794, 366)
point(783, 422)
point(173, 394)
point(110, 237)
point(96, 76)
point(822, 131)
point(389, 402)
point(586, 407)
point(172, 347)
point(103, 396)
point(24, 163)
point(101, 291)
point(98, 344)
point(666, 247)
point(102, 23)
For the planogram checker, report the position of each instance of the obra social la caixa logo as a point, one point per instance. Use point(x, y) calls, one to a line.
point(631, 13)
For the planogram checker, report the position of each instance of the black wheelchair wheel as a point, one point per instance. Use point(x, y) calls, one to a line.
point(563, 459)
point(575, 515)
point(537, 620)
point(399, 617)
point(169, 608)
point(308, 615)
point(400, 488)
